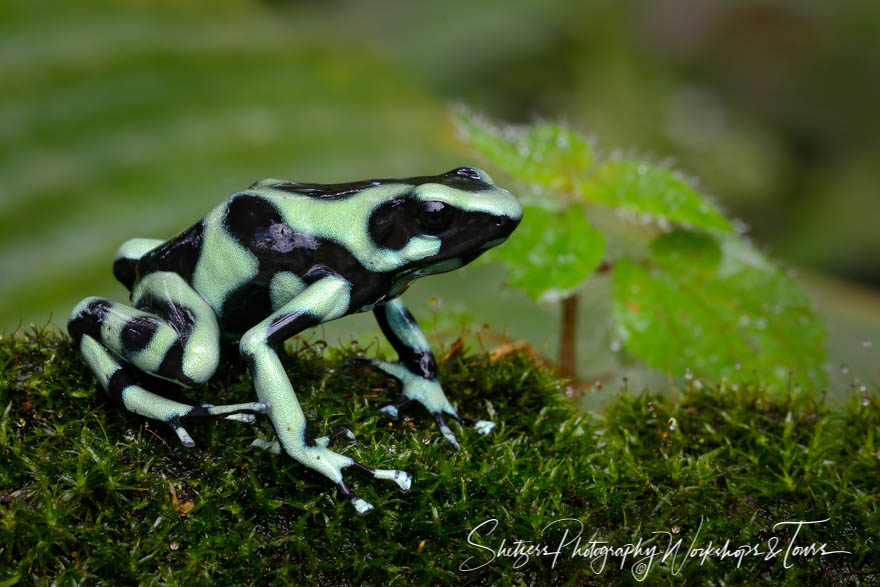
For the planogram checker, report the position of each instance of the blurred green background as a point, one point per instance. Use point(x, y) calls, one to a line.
point(124, 119)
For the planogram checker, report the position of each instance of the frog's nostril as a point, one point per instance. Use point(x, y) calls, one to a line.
point(506, 224)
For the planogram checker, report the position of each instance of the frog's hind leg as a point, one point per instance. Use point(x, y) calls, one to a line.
point(118, 379)
point(173, 335)
point(125, 262)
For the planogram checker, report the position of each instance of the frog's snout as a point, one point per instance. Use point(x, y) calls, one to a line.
point(505, 224)
point(511, 216)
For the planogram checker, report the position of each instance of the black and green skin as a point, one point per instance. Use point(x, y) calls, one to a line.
point(272, 261)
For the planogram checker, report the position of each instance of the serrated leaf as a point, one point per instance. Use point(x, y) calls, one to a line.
point(723, 312)
point(547, 154)
point(658, 192)
point(551, 254)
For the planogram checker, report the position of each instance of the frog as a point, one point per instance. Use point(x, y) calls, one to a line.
point(270, 262)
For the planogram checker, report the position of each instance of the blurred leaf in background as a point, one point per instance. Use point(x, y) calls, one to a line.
point(553, 253)
point(132, 119)
point(700, 299)
point(696, 307)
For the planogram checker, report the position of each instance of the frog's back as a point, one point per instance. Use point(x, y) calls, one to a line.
point(233, 255)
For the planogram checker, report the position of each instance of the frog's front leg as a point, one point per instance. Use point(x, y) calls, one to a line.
point(326, 299)
point(417, 370)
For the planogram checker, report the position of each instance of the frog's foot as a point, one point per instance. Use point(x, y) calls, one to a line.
point(429, 393)
point(176, 412)
point(392, 412)
point(331, 464)
point(236, 412)
point(484, 427)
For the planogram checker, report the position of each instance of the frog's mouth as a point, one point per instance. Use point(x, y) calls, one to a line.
point(434, 268)
point(492, 244)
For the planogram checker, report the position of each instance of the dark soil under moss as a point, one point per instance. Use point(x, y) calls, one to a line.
point(90, 494)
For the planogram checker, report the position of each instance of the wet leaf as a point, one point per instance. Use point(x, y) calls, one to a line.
point(658, 192)
point(553, 253)
point(718, 309)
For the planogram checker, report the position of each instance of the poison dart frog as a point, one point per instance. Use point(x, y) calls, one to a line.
point(272, 261)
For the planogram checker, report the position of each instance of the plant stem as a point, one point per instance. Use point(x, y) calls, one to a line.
point(567, 366)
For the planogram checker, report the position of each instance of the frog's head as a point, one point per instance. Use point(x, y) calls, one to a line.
point(460, 213)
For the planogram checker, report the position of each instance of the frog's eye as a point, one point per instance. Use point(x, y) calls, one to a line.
point(435, 217)
point(471, 173)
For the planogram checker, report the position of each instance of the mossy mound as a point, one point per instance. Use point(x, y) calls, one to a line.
point(88, 493)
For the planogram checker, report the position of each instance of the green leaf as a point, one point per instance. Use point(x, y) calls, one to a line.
point(551, 254)
point(718, 309)
point(547, 154)
point(662, 193)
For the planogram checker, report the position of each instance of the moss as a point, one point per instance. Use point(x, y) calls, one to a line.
point(88, 492)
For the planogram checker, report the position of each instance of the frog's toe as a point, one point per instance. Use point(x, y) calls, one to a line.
point(392, 410)
point(273, 446)
point(229, 412)
point(444, 429)
point(361, 507)
point(402, 478)
point(246, 418)
point(341, 432)
point(483, 427)
point(181, 432)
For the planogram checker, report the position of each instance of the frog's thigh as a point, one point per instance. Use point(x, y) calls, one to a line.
point(113, 338)
point(173, 333)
